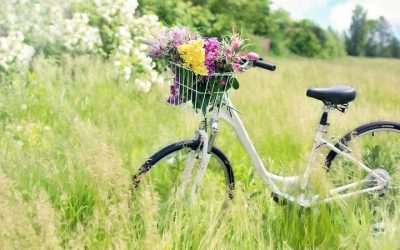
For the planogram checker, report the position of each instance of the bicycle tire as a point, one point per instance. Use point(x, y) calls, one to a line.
point(360, 131)
point(178, 146)
point(376, 145)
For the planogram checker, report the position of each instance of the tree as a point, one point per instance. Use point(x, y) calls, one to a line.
point(379, 38)
point(357, 38)
point(394, 47)
point(306, 38)
point(278, 23)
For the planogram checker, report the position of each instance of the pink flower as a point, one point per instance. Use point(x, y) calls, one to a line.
point(235, 42)
point(228, 55)
point(236, 67)
point(237, 64)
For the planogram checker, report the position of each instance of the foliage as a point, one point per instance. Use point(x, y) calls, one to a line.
point(307, 39)
point(372, 38)
point(304, 39)
point(278, 22)
point(215, 18)
point(211, 17)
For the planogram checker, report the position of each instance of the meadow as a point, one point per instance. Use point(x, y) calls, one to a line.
point(72, 136)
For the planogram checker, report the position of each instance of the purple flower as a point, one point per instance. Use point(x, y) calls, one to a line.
point(174, 89)
point(181, 36)
point(173, 100)
point(211, 46)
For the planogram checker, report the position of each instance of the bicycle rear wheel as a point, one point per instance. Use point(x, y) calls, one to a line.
point(377, 145)
point(163, 174)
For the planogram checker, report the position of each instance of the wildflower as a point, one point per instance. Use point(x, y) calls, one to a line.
point(174, 89)
point(236, 64)
point(193, 55)
point(182, 35)
point(211, 46)
point(235, 42)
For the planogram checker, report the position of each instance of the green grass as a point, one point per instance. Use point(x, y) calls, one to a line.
point(71, 137)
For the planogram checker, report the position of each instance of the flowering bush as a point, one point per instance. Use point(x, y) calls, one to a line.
point(131, 57)
point(79, 36)
point(109, 28)
point(208, 63)
point(14, 53)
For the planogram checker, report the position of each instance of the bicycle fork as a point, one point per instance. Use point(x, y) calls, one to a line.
point(205, 147)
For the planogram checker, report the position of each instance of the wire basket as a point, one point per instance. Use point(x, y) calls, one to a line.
point(206, 94)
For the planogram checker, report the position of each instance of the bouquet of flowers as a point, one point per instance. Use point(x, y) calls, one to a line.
point(203, 67)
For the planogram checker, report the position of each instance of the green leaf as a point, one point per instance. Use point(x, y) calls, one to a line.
point(235, 83)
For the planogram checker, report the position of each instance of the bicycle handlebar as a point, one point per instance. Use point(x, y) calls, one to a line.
point(254, 60)
point(264, 65)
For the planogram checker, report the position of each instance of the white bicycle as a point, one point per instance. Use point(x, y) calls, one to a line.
point(364, 161)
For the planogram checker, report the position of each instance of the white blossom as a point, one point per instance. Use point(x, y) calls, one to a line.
point(14, 52)
point(116, 10)
point(79, 36)
point(53, 22)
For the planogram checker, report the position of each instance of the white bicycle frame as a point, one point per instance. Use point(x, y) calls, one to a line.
point(231, 116)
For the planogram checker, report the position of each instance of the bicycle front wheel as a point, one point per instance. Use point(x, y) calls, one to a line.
point(170, 174)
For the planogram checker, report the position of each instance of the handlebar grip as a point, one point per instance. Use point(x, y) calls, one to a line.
point(264, 65)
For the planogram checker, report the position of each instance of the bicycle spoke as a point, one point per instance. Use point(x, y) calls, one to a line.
point(379, 150)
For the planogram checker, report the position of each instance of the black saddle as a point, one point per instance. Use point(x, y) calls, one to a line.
point(335, 95)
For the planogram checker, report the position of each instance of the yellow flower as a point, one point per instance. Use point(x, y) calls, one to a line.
point(193, 55)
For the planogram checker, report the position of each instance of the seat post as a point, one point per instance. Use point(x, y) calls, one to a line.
point(324, 118)
point(323, 123)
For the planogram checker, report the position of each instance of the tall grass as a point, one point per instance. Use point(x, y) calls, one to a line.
point(72, 136)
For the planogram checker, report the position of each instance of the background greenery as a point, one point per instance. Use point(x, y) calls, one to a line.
point(372, 38)
point(72, 135)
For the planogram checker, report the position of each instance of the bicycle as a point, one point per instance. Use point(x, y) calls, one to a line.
point(361, 162)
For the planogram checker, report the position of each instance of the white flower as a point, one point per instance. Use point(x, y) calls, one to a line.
point(79, 36)
point(13, 52)
point(154, 76)
point(127, 73)
point(3, 44)
point(143, 47)
point(144, 86)
point(19, 36)
point(24, 106)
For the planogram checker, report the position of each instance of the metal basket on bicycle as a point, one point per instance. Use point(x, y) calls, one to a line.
point(205, 94)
